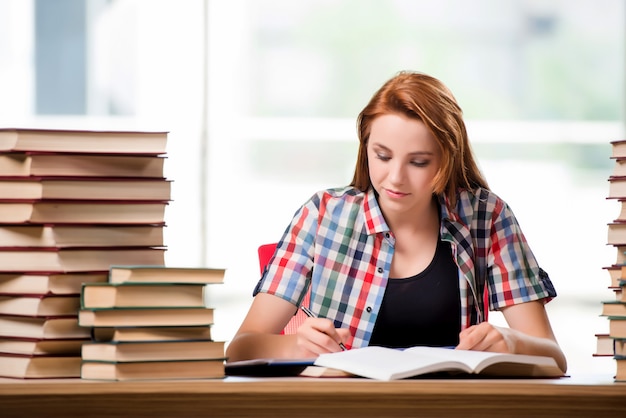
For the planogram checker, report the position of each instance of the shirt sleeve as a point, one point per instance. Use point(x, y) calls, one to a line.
point(288, 273)
point(514, 274)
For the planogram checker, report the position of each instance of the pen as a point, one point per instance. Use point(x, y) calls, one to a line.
point(310, 314)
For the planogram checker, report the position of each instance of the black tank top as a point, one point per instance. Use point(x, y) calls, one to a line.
point(424, 309)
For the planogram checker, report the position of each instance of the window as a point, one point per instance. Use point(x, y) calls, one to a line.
point(261, 96)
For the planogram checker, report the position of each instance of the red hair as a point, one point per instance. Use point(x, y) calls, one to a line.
point(424, 98)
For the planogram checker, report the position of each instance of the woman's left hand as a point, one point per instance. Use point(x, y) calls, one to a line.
point(487, 337)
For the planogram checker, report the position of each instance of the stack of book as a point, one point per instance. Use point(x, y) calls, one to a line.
point(72, 203)
point(613, 343)
point(151, 323)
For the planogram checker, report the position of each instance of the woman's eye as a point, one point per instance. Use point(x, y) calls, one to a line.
point(420, 163)
point(382, 157)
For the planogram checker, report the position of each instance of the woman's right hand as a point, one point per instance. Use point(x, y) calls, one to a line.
point(259, 335)
point(317, 336)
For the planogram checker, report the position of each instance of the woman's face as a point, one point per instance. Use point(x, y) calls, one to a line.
point(403, 158)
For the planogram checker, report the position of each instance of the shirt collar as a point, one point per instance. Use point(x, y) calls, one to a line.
point(375, 222)
point(447, 213)
point(373, 215)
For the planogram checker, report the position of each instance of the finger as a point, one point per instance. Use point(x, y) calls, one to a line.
point(483, 337)
point(330, 338)
point(344, 335)
point(473, 338)
point(318, 335)
point(466, 341)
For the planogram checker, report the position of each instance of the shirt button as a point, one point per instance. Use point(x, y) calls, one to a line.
point(368, 309)
point(380, 269)
point(386, 234)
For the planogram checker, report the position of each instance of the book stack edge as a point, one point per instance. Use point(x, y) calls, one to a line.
point(613, 342)
point(72, 203)
point(151, 323)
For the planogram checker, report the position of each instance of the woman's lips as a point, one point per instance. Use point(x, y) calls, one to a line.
point(395, 194)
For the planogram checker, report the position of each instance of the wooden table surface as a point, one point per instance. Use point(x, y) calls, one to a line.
point(303, 397)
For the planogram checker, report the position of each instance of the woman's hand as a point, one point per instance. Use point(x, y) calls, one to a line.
point(487, 337)
point(529, 332)
point(319, 335)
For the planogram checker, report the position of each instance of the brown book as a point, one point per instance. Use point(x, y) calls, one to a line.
point(618, 149)
point(142, 295)
point(153, 351)
point(41, 328)
point(61, 236)
point(621, 216)
point(613, 308)
point(39, 305)
point(145, 317)
point(31, 347)
point(39, 367)
point(621, 286)
point(621, 254)
point(82, 212)
point(155, 274)
point(176, 333)
point(82, 188)
point(616, 233)
point(615, 274)
point(619, 346)
point(604, 345)
point(24, 164)
point(189, 369)
point(48, 283)
point(619, 168)
point(617, 187)
point(76, 259)
point(617, 326)
point(620, 369)
point(83, 141)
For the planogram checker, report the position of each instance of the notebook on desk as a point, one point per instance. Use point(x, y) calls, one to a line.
point(267, 367)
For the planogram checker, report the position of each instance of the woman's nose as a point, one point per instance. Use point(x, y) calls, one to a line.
point(396, 173)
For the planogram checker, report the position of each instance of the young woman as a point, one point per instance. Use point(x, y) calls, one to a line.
point(403, 255)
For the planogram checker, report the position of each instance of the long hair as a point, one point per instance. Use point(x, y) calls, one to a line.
point(424, 98)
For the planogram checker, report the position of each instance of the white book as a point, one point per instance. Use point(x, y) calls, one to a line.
point(390, 364)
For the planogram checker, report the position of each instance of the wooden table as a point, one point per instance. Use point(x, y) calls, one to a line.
point(304, 397)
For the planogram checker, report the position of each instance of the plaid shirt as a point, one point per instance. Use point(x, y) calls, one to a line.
point(340, 246)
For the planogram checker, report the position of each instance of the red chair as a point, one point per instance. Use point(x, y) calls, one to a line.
point(266, 251)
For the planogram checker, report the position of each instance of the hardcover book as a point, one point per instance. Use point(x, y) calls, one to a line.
point(82, 188)
point(142, 295)
point(145, 317)
point(48, 283)
point(41, 327)
point(390, 364)
point(188, 369)
point(61, 236)
point(76, 259)
point(39, 367)
point(29, 164)
point(82, 212)
point(155, 274)
point(153, 351)
point(160, 333)
point(82, 141)
point(37, 347)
